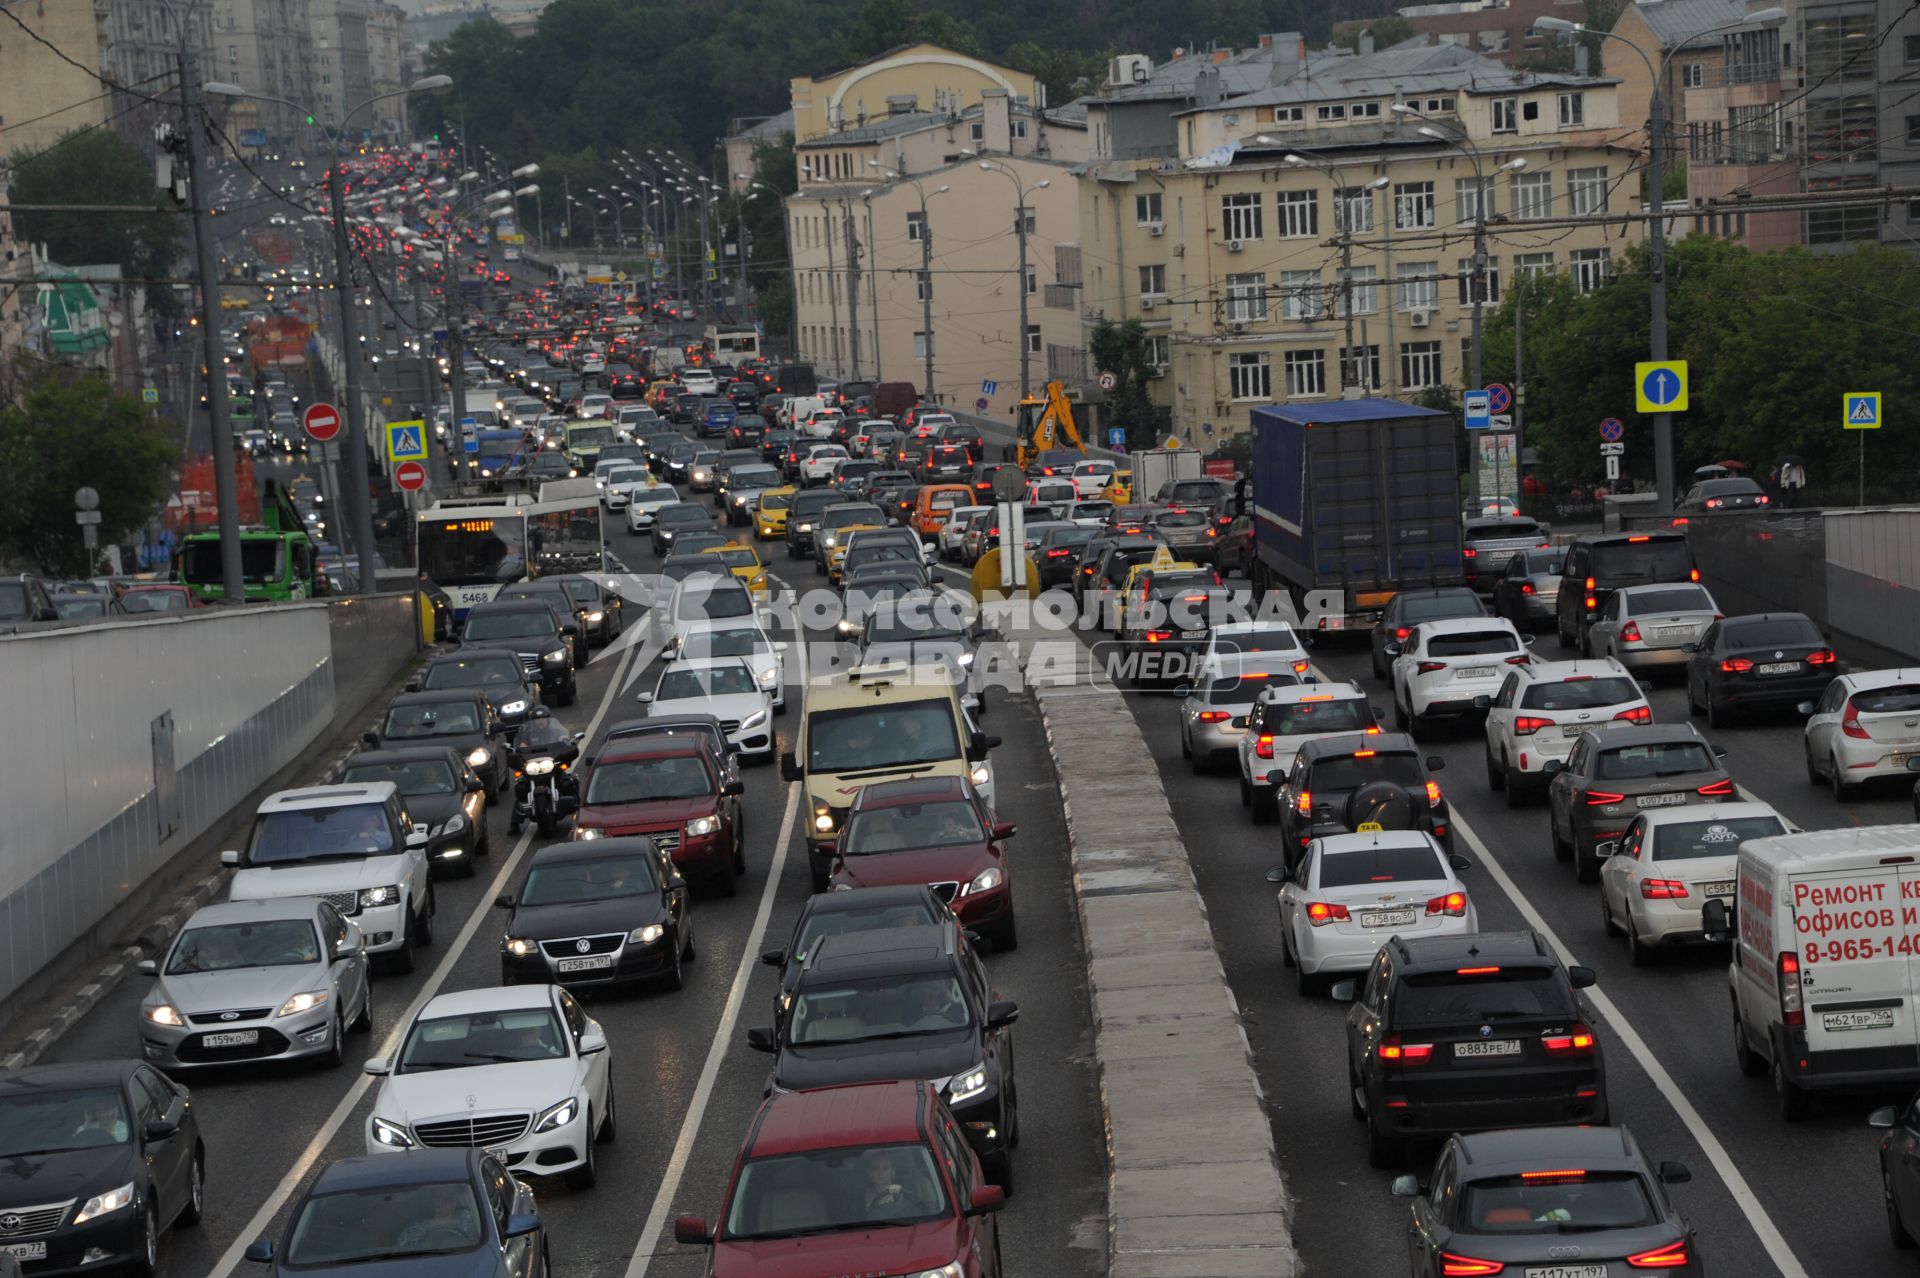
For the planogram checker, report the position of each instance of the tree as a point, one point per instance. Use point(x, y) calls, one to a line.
point(94, 166)
point(1387, 32)
point(1121, 349)
point(68, 430)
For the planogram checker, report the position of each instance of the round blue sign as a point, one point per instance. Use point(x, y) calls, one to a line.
point(980, 405)
point(1613, 430)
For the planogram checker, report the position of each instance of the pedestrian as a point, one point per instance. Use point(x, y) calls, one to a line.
point(1792, 478)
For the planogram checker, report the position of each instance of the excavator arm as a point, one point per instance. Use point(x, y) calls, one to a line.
point(1046, 424)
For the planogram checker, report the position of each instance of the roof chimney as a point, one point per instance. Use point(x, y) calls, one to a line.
point(1366, 41)
point(1179, 54)
point(1266, 42)
point(1221, 55)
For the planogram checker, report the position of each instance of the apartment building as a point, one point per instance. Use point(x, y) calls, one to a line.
point(42, 96)
point(1500, 29)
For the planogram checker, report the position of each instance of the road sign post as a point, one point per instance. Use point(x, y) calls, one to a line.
point(1660, 386)
point(321, 421)
point(410, 476)
point(1478, 409)
point(1860, 410)
point(1108, 380)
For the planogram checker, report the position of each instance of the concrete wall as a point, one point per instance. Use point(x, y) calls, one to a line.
point(1873, 578)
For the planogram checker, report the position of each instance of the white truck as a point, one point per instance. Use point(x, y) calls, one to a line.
point(1155, 468)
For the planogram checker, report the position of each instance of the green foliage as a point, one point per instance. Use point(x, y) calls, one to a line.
point(1121, 348)
point(94, 166)
point(68, 431)
point(1387, 31)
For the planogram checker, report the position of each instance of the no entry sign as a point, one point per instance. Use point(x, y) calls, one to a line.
point(322, 421)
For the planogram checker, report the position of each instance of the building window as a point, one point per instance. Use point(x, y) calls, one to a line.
point(916, 226)
point(1300, 295)
point(1506, 117)
point(1240, 217)
point(1586, 191)
point(1913, 130)
point(1692, 75)
point(1146, 209)
point(1419, 365)
point(1033, 280)
point(1492, 297)
point(1364, 111)
point(1419, 285)
point(1840, 225)
point(1364, 365)
point(1473, 199)
point(1840, 48)
point(1589, 268)
point(1331, 111)
point(1526, 265)
point(1842, 130)
point(1306, 373)
point(922, 345)
point(1353, 210)
point(1026, 218)
point(977, 131)
point(1246, 298)
point(1911, 44)
point(1493, 41)
point(1157, 350)
point(1452, 37)
point(1361, 284)
point(1288, 115)
point(1033, 339)
point(923, 287)
point(1533, 195)
point(1572, 110)
point(1412, 205)
point(1153, 281)
point(233, 52)
point(1439, 104)
point(1248, 376)
point(1018, 128)
point(1299, 213)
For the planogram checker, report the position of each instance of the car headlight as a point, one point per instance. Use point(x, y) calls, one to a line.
point(596, 617)
point(583, 832)
point(952, 1269)
point(965, 658)
point(515, 707)
point(823, 820)
point(538, 767)
point(521, 947)
point(164, 1014)
point(391, 1135)
point(554, 657)
point(374, 896)
point(770, 676)
point(478, 756)
point(826, 539)
point(739, 499)
point(103, 1204)
point(452, 825)
point(968, 1085)
point(981, 774)
point(754, 720)
point(302, 1003)
point(646, 935)
point(558, 1115)
point(702, 825)
point(988, 879)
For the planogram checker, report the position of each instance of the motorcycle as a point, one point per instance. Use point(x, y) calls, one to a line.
point(545, 789)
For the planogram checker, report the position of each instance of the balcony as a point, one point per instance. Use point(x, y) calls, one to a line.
point(1067, 364)
point(1765, 71)
point(1065, 297)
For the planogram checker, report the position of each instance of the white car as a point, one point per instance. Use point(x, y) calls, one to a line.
point(954, 530)
point(819, 463)
point(517, 1068)
point(1865, 725)
point(595, 406)
point(1643, 626)
point(1284, 719)
point(725, 688)
point(644, 501)
point(1351, 892)
point(1090, 478)
point(710, 640)
point(1089, 514)
point(820, 425)
point(1274, 641)
point(1668, 863)
point(621, 484)
point(1540, 711)
point(602, 466)
point(701, 598)
point(1442, 666)
point(1055, 494)
point(700, 381)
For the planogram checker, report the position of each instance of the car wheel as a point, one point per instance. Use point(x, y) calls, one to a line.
point(1186, 747)
point(1400, 718)
point(1354, 1093)
point(364, 1022)
point(1750, 1063)
point(196, 1203)
point(586, 1174)
point(423, 926)
point(1813, 773)
point(1496, 774)
point(337, 1049)
point(607, 1130)
point(1586, 866)
point(739, 849)
point(1562, 850)
point(1795, 1101)
point(569, 694)
point(1306, 984)
point(1515, 785)
point(1379, 666)
point(1842, 792)
point(675, 978)
point(1009, 938)
point(1896, 1228)
point(1266, 805)
point(1639, 953)
point(402, 959)
point(1717, 715)
point(1560, 632)
point(1586, 643)
point(1382, 1150)
point(1000, 1172)
point(148, 1264)
point(1607, 926)
point(1286, 946)
point(1246, 792)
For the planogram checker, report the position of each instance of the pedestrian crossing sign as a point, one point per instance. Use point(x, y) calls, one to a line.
point(406, 441)
point(1862, 410)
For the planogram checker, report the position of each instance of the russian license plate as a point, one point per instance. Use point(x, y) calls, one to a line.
point(1671, 632)
point(593, 962)
point(1386, 918)
point(1566, 1271)
point(26, 1251)
point(237, 1038)
point(1877, 1018)
point(1193, 634)
point(1473, 672)
point(1777, 667)
point(1723, 888)
point(1659, 800)
point(1488, 1047)
point(1574, 729)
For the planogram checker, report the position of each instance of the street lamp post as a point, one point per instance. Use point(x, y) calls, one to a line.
point(1020, 234)
point(1349, 358)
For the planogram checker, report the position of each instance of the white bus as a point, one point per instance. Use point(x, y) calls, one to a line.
point(472, 546)
point(732, 345)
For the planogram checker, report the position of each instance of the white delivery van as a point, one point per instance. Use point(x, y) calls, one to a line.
point(1825, 974)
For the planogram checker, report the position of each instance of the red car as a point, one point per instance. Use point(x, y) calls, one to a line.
point(859, 1154)
point(157, 598)
point(674, 789)
point(936, 831)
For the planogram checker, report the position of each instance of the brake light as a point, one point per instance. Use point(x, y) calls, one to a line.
point(1600, 798)
point(1527, 725)
point(1736, 665)
point(1824, 657)
point(1214, 716)
point(1576, 1042)
point(1791, 1011)
point(1058, 554)
point(1452, 1266)
point(1631, 632)
point(1764, 499)
point(1401, 632)
point(1159, 636)
point(1850, 723)
point(1526, 588)
point(1671, 1256)
point(1718, 789)
point(1400, 1052)
point(1454, 903)
point(1590, 580)
point(1522, 660)
point(1638, 714)
point(1714, 503)
point(1693, 574)
point(1476, 971)
point(1433, 794)
point(1662, 889)
point(1263, 747)
point(1556, 1176)
point(1304, 804)
point(1320, 913)
point(1364, 754)
point(1470, 553)
point(1428, 667)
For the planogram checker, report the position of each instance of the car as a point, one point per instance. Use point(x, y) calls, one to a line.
point(1351, 891)
point(1423, 1059)
point(598, 913)
point(156, 597)
point(719, 596)
point(1090, 477)
point(1235, 550)
point(1668, 864)
point(1507, 1201)
point(678, 791)
point(803, 1189)
point(670, 521)
point(818, 463)
point(520, 1071)
point(837, 523)
point(1757, 661)
point(356, 845)
point(804, 513)
point(1188, 531)
point(700, 469)
point(1620, 769)
point(1491, 507)
point(592, 604)
point(84, 607)
point(865, 909)
point(1542, 708)
point(745, 484)
point(1650, 627)
point(460, 718)
point(1282, 719)
point(743, 565)
point(770, 506)
point(1597, 564)
point(907, 1003)
point(452, 1212)
point(1169, 618)
point(1898, 1170)
point(919, 628)
point(535, 634)
point(937, 831)
point(1527, 585)
point(1710, 495)
point(264, 980)
point(1408, 608)
point(495, 673)
point(1859, 729)
point(1341, 782)
point(645, 502)
point(117, 1144)
point(1447, 669)
point(1271, 640)
point(1058, 552)
point(1216, 705)
point(740, 637)
point(442, 792)
point(948, 540)
point(725, 688)
point(618, 482)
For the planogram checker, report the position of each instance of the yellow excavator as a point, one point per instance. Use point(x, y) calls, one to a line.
point(1043, 424)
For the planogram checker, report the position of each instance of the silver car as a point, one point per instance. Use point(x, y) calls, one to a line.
point(1643, 627)
point(1528, 587)
point(1865, 725)
point(1283, 720)
point(1214, 709)
point(271, 979)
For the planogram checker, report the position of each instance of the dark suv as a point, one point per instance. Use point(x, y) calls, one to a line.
point(1599, 564)
point(1468, 1033)
point(535, 634)
point(803, 517)
point(1620, 770)
point(1340, 783)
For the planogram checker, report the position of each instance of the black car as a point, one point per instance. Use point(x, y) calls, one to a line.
point(120, 1140)
point(775, 444)
point(1411, 607)
point(448, 1213)
point(459, 718)
point(907, 1002)
point(1600, 563)
point(681, 517)
point(803, 518)
point(867, 909)
point(1506, 1202)
point(493, 672)
point(594, 612)
point(1757, 662)
point(597, 912)
point(1468, 1033)
point(545, 466)
point(535, 635)
point(442, 792)
point(706, 725)
point(1710, 495)
point(1340, 783)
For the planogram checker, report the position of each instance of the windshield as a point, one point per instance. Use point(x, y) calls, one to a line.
point(421, 777)
point(261, 560)
point(775, 501)
point(1555, 1203)
point(843, 516)
point(599, 879)
point(74, 607)
point(645, 780)
point(919, 825)
point(1418, 864)
point(682, 567)
point(1690, 840)
point(13, 601)
point(477, 672)
point(1302, 718)
point(482, 1038)
point(714, 681)
point(432, 719)
point(724, 643)
point(155, 601)
point(1642, 603)
point(363, 1225)
point(472, 550)
point(54, 1122)
point(349, 831)
point(884, 735)
point(1660, 759)
point(224, 947)
point(1447, 998)
point(742, 558)
point(506, 625)
point(1245, 688)
point(692, 516)
point(714, 604)
point(1274, 638)
point(1580, 694)
point(898, 1007)
point(1180, 519)
point(843, 1189)
point(1648, 559)
point(588, 436)
point(750, 477)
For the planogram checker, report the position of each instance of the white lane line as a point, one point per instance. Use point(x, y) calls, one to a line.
point(256, 1227)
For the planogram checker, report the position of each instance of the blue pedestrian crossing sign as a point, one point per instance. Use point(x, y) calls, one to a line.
point(406, 441)
point(1863, 410)
point(1660, 386)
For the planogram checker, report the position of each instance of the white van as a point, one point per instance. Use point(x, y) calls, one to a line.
point(1825, 974)
point(798, 408)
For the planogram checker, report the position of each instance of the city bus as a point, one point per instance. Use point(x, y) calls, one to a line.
point(733, 345)
point(472, 546)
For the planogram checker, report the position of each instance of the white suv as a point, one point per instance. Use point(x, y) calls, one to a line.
point(1443, 666)
point(1541, 710)
point(355, 846)
point(1284, 719)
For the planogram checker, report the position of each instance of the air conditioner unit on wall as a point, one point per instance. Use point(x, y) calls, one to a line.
point(1148, 303)
point(1156, 228)
point(1238, 326)
point(1234, 246)
point(1419, 319)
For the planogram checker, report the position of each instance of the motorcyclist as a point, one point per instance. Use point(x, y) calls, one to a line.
point(542, 736)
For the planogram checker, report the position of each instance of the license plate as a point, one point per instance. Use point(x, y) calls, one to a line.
point(1566, 1271)
point(1333, 623)
point(1474, 672)
point(591, 963)
point(1717, 889)
point(1386, 918)
point(238, 1038)
point(1488, 1047)
point(1574, 729)
point(1193, 634)
point(1878, 1018)
point(1671, 632)
point(1659, 800)
point(1777, 667)
point(26, 1251)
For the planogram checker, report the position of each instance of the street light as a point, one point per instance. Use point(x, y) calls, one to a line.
point(1663, 476)
point(1020, 233)
point(1349, 361)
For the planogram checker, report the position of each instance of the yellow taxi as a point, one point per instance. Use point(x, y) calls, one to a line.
point(1119, 489)
point(770, 512)
point(837, 552)
point(743, 561)
point(1162, 561)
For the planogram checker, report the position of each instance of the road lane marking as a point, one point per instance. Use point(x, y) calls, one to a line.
point(282, 1192)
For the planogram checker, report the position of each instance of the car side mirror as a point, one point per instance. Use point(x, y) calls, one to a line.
point(1672, 1173)
point(1344, 991)
point(260, 1252)
point(1716, 921)
point(1435, 763)
point(371, 740)
point(732, 786)
point(760, 1039)
point(1004, 829)
point(1183, 690)
point(1884, 1117)
point(790, 767)
point(349, 947)
point(985, 1200)
point(230, 857)
point(148, 967)
point(1805, 707)
point(1581, 977)
point(417, 838)
point(1552, 766)
point(1002, 1013)
point(1459, 862)
point(160, 1129)
point(474, 785)
point(1719, 751)
point(1483, 703)
point(1279, 874)
point(376, 1067)
point(1379, 715)
point(691, 1231)
point(1609, 848)
point(1405, 1187)
point(1392, 650)
point(1689, 647)
point(776, 957)
point(591, 1042)
point(579, 736)
point(1592, 617)
point(644, 698)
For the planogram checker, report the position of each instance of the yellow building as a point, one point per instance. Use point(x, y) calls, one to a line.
point(42, 95)
point(913, 77)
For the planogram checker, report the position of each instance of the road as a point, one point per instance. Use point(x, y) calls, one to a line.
point(688, 1084)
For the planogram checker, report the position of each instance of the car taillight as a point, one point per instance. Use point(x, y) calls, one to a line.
point(1470, 553)
point(1600, 798)
point(1454, 903)
point(1263, 747)
point(1058, 554)
point(1320, 913)
point(1824, 657)
point(1452, 1266)
point(1631, 632)
point(1433, 794)
point(1693, 574)
point(1159, 636)
point(1428, 667)
point(1850, 723)
point(1400, 1052)
point(1401, 632)
point(1788, 971)
point(1522, 660)
point(1527, 725)
point(1715, 503)
point(1717, 789)
point(1736, 665)
point(1577, 1041)
point(1304, 803)
point(1638, 714)
point(1671, 1256)
point(1214, 716)
point(1526, 588)
point(1662, 889)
